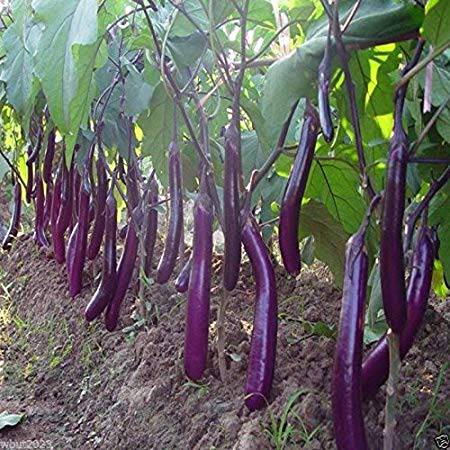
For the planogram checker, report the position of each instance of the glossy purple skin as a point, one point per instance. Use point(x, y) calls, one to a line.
point(231, 209)
point(293, 194)
point(34, 153)
point(49, 155)
point(172, 245)
point(71, 249)
point(346, 398)
point(392, 265)
point(124, 276)
point(56, 202)
point(152, 230)
point(375, 369)
point(15, 220)
point(39, 233)
point(79, 254)
point(64, 215)
point(99, 223)
point(30, 182)
point(324, 72)
point(265, 323)
point(48, 204)
point(76, 183)
point(108, 283)
point(182, 281)
point(198, 304)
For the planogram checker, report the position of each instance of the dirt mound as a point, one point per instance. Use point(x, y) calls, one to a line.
point(81, 387)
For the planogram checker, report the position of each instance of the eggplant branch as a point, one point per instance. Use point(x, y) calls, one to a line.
point(343, 57)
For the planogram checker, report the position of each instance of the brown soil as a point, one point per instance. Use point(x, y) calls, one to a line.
point(81, 387)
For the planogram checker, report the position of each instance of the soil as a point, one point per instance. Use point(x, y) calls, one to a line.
point(80, 387)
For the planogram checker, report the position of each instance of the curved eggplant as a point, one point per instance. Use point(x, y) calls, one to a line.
point(108, 283)
point(346, 396)
point(15, 220)
point(152, 230)
point(124, 276)
point(172, 243)
point(295, 189)
point(375, 369)
point(231, 209)
point(324, 72)
point(198, 304)
point(264, 336)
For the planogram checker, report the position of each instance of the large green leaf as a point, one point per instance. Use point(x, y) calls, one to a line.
point(66, 58)
point(329, 236)
point(335, 184)
point(295, 76)
point(436, 23)
point(19, 42)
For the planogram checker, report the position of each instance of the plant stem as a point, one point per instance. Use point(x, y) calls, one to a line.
point(391, 391)
point(343, 57)
point(11, 166)
point(221, 337)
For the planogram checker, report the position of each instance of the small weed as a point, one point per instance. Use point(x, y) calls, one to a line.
point(202, 389)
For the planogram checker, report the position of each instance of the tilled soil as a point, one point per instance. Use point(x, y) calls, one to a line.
point(81, 387)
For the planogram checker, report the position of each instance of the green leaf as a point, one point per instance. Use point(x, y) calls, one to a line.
point(294, 76)
point(138, 93)
point(435, 25)
point(9, 420)
point(329, 236)
point(187, 49)
point(19, 41)
point(157, 124)
point(335, 183)
point(66, 58)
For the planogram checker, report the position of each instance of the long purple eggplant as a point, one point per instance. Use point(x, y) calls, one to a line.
point(49, 155)
point(182, 281)
point(99, 221)
point(34, 153)
point(324, 73)
point(30, 179)
point(79, 256)
point(15, 220)
point(172, 243)
point(64, 214)
point(108, 283)
point(152, 230)
point(56, 201)
point(48, 204)
point(71, 249)
point(39, 229)
point(295, 189)
point(392, 264)
point(231, 208)
point(375, 369)
point(198, 304)
point(346, 399)
point(264, 336)
point(124, 275)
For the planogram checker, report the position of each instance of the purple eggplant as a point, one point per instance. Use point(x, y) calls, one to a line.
point(99, 221)
point(15, 220)
point(182, 281)
point(264, 336)
point(34, 153)
point(198, 304)
point(108, 283)
point(78, 258)
point(172, 244)
point(346, 399)
point(48, 204)
point(375, 369)
point(124, 276)
point(231, 208)
point(30, 179)
point(324, 73)
point(152, 226)
point(295, 189)
point(49, 155)
point(39, 230)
